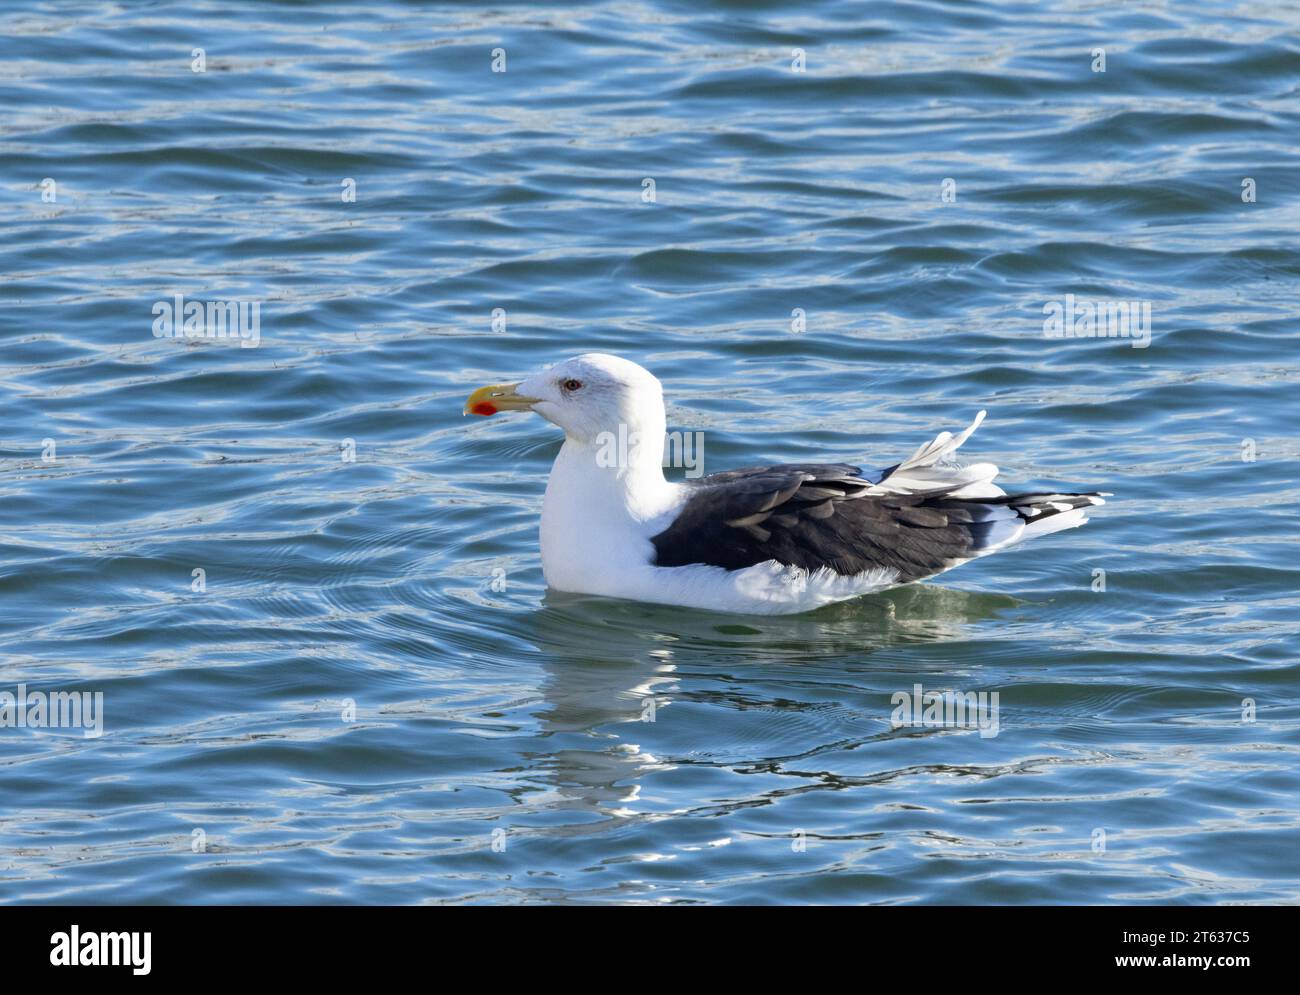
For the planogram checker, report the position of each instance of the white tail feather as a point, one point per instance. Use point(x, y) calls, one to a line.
point(919, 473)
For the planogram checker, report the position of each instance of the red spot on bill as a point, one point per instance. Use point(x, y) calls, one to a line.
point(484, 408)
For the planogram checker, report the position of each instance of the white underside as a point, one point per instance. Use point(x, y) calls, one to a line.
point(769, 588)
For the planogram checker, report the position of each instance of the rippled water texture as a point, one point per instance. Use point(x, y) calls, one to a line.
point(502, 748)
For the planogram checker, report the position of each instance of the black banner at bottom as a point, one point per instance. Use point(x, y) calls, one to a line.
point(336, 943)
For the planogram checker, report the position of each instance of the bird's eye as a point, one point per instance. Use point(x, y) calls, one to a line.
point(571, 385)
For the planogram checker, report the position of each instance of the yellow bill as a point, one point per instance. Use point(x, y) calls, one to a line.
point(498, 397)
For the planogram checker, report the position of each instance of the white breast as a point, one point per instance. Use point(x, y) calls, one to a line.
point(597, 521)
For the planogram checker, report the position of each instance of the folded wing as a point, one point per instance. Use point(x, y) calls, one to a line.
point(917, 518)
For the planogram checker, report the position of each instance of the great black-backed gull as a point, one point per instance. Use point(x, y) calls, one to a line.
point(762, 540)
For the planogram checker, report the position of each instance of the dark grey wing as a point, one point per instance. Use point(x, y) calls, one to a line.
point(813, 515)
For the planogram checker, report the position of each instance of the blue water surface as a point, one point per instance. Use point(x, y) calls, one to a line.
point(309, 591)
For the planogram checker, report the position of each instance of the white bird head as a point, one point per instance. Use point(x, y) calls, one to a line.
point(587, 396)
